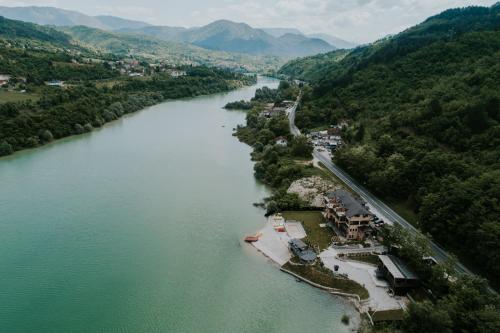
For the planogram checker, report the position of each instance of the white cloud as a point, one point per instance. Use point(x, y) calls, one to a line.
point(16, 3)
point(357, 20)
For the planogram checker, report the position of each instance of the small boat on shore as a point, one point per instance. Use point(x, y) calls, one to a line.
point(251, 239)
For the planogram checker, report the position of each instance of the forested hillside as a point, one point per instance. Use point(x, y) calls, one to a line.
point(424, 125)
point(60, 89)
point(154, 49)
point(313, 68)
point(17, 29)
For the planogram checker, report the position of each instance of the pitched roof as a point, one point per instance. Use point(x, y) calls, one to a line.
point(307, 255)
point(353, 207)
point(397, 267)
point(298, 243)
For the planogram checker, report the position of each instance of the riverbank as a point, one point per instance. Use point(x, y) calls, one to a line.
point(96, 230)
point(64, 112)
point(299, 183)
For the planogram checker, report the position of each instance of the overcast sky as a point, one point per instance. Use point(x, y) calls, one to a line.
point(354, 20)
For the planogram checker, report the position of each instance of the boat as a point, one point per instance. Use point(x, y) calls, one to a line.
point(251, 239)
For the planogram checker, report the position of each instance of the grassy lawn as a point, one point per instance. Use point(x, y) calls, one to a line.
point(108, 83)
point(371, 259)
point(327, 174)
point(387, 315)
point(15, 96)
point(325, 278)
point(316, 236)
point(402, 209)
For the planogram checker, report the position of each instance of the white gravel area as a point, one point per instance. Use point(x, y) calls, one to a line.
point(364, 274)
point(312, 190)
point(274, 244)
point(295, 230)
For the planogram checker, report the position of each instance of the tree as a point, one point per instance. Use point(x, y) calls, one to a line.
point(301, 147)
point(5, 148)
point(425, 317)
point(360, 133)
point(46, 136)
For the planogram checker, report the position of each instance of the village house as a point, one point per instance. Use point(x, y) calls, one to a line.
point(329, 139)
point(4, 79)
point(348, 215)
point(271, 111)
point(334, 131)
point(55, 83)
point(175, 73)
point(281, 141)
point(286, 104)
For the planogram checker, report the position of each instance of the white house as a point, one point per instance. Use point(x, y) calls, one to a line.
point(4, 79)
point(281, 141)
point(176, 73)
point(55, 83)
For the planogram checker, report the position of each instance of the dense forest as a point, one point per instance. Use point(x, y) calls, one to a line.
point(94, 92)
point(154, 49)
point(276, 165)
point(313, 68)
point(459, 304)
point(424, 113)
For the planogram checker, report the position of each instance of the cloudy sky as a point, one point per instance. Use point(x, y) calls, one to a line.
point(355, 20)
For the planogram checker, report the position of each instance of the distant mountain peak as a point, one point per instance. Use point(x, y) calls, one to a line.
point(45, 15)
point(222, 35)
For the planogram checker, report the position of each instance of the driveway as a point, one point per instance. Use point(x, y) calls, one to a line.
point(364, 274)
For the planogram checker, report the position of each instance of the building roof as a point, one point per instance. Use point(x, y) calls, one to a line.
point(304, 252)
point(307, 255)
point(298, 243)
point(397, 267)
point(353, 207)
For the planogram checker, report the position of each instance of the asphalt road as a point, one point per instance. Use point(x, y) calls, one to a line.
point(438, 253)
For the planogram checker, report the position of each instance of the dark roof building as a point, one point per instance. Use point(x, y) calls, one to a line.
point(396, 272)
point(301, 250)
point(352, 206)
point(348, 214)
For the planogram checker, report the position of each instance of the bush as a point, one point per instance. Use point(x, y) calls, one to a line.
point(5, 148)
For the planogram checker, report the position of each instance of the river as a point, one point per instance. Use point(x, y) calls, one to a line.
point(138, 227)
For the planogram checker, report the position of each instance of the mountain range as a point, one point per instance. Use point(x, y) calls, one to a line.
point(222, 35)
point(332, 40)
point(78, 38)
point(62, 17)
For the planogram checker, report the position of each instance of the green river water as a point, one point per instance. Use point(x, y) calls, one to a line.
point(138, 227)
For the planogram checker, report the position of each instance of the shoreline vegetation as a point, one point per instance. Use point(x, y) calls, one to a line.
point(424, 138)
point(63, 112)
point(52, 87)
point(441, 301)
point(239, 105)
point(425, 115)
point(278, 165)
